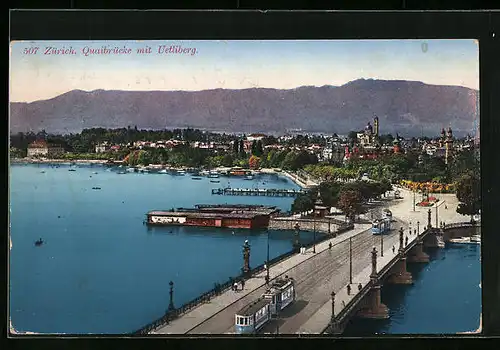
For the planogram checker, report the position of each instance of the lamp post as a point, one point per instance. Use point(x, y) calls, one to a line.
point(314, 234)
point(267, 261)
point(296, 243)
point(333, 305)
point(382, 245)
point(246, 258)
point(350, 260)
point(413, 200)
point(171, 303)
point(418, 228)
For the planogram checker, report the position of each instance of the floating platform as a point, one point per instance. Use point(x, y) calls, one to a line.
point(229, 216)
point(270, 192)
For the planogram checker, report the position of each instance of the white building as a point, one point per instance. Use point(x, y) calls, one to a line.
point(42, 148)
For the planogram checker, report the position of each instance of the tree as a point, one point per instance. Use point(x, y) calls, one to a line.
point(350, 203)
point(469, 194)
point(253, 162)
point(303, 203)
point(352, 136)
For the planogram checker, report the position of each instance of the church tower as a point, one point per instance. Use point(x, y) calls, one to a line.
point(443, 138)
point(375, 126)
point(448, 146)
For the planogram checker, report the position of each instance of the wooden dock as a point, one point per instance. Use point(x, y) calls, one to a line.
point(270, 192)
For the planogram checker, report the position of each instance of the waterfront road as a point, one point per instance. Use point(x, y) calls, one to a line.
point(199, 320)
point(315, 279)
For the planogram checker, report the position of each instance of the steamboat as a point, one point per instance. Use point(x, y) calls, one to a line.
point(227, 216)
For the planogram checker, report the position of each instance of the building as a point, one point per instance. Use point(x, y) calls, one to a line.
point(229, 216)
point(102, 147)
point(43, 149)
point(369, 137)
point(255, 137)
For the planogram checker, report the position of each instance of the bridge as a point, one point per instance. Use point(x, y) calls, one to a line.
point(324, 302)
point(270, 192)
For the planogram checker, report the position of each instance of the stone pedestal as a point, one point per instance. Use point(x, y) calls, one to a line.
point(431, 241)
point(399, 275)
point(418, 254)
point(374, 309)
point(336, 328)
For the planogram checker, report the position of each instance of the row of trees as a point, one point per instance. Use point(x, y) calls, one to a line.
point(349, 197)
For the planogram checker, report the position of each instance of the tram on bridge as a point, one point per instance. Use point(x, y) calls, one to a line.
point(382, 226)
point(252, 317)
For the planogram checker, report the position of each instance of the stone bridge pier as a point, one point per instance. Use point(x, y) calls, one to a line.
point(417, 254)
point(398, 273)
point(371, 306)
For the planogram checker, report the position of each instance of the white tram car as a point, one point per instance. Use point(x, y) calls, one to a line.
point(252, 317)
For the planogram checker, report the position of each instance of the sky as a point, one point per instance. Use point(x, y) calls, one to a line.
point(202, 65)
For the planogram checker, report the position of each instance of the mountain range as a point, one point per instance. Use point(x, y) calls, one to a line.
point(409, 108)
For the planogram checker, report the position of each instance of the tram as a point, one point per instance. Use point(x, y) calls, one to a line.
point(254, 316)
point(382, 226)
point(386, 213)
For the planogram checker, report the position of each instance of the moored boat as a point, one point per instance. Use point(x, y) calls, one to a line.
point(462, 240)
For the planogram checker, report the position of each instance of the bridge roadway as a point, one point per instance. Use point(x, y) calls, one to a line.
point(315, 279)
point(317, 275)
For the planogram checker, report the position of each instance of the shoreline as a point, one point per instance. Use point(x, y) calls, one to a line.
point(295, 179)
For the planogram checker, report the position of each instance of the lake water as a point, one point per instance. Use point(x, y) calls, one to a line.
point(102, 270)
point(445, 297)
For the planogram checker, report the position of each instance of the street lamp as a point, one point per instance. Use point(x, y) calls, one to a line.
point(350, 260)
point(314, 234)
point(418, 228)
point(267, 261)
point(382, 245)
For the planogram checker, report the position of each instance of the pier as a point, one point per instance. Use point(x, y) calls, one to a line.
point(270, 192)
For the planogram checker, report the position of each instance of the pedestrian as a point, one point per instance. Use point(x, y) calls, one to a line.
point(235, 286)
point(445, 206)
point(415, 232)
point(231, 281)
point(348, 289)
point(393, 249)
point(406, 240)
point(242, 284)
point(360, 286)
point(330, 245)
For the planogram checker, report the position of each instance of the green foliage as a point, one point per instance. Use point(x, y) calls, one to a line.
point(350, 202)
point(469, 194)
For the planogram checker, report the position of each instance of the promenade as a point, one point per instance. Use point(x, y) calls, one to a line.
point(254, 287)
point(317, 275)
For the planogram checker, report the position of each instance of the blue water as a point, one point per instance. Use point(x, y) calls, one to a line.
point(444, 299)
point(103, 271)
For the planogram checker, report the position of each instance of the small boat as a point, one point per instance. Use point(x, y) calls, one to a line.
point(215, 181)
point(122, 172)
point(196, 178)
point(72, 170)
point(181, 172)
point(461, 240)
point(130, 170)
point(475, 239)
point(96, 188)
point(39, 242)
point(249, 177)
point(163, 171)
point(95, 172)
point(42, 172)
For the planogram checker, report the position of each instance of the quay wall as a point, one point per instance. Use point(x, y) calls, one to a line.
point(320, 225)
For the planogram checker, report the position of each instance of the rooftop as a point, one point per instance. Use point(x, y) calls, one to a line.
point(252, 308)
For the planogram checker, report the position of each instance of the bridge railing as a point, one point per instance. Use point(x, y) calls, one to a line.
point(348, 308)
point(205, 297)
point(461, 224)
